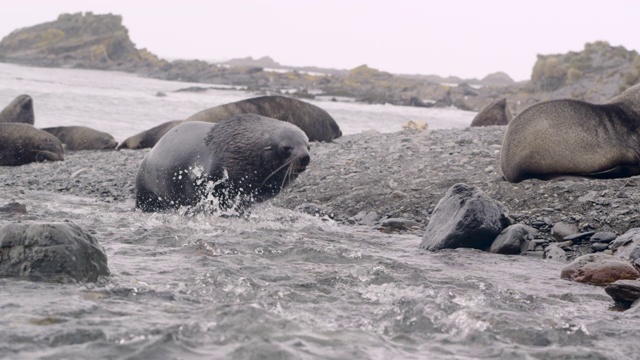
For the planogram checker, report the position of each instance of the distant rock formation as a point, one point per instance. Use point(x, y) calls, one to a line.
point(77, 40)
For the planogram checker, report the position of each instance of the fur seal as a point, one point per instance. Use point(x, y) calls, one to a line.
point(566, 137)
point(82, 138)
point(244, 159)
point(495, 113)
point(22, 143)
point(20, 110)
point(314, 121)
point(148, 138)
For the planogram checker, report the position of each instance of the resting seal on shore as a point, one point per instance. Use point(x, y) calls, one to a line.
point(22, 144)
point(82, 138)
point(148, 138)
point(574, 138)
point(240, 160)
point(314, 121)
point(495, 113)
point(20, 110)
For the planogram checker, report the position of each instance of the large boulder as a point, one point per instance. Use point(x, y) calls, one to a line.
point(599, 269)
point(56, 252)
point(464, 217)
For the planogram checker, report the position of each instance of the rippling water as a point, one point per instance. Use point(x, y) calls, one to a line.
point(278, 284)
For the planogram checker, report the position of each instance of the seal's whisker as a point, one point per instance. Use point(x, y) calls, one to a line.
point(276, 170)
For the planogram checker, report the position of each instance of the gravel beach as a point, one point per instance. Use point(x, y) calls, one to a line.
point(369, 177)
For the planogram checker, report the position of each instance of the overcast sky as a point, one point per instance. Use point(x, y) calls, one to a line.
point(466, 38)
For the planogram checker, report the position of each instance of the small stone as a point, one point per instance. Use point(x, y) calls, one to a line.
point(555, 252)
point(579, 236)
point(599, 247)
point(13, 208)
point(561, 230)
point(603, 237)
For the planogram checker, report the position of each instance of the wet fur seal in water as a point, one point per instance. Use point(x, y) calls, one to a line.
point(314, 121)
point(82, 138)
point(564, 138)
point(244, 159)
point(20, 110)
point(22, 144)
point(495, 113)
point(148, 138)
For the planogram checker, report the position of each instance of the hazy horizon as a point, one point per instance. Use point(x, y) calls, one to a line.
point(463, 38)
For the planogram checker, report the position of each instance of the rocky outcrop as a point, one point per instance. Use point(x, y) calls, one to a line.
point(599, 269)
point(77, 40)
point(57, 252)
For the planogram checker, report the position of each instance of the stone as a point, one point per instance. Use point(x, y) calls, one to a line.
point(55, 252)
point(624, 291)
point(579, 236)
point(627, 246)
point(632, 235)
point(394, 224)
point(494, 113)
point(464, 217)
point(513, 240)
point(599, 246)
point(13, 208)
point(555, 252)
point(603, 237)
point(599, 269)
point(560, 230)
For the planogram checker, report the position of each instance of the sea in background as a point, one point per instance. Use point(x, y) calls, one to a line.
point(279, 284)
point(124, 104)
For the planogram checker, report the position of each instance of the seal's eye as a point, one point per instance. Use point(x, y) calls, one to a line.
point(287, 150)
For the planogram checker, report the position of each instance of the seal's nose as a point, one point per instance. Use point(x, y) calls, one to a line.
point(304, 160)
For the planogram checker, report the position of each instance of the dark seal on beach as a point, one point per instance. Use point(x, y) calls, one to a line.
point(244, 159)
point(83, 138)
point(20, 110)
point(314, 121)
point(22, 144)
point(148, 138)
point(495, 113)
point(574, 138)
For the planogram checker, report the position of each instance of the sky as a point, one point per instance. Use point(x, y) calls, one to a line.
point(465, 38)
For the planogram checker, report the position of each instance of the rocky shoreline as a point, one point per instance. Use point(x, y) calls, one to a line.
point(390, 182)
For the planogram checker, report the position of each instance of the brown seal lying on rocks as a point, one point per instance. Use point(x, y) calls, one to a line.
point(235, 162)
point(560, 138)
point(148, 138)
point(82, 138)
point(22, 143)
point(495, 113)
point(20, 110)
point(314, 121)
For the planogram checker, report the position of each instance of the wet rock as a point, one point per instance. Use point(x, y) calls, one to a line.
point(599, 269)
point(561, 230)
point(395, 224)
point(627, 246)
point(57, 252)
point(555, 252)
point(367, 218)
point(464, 217)
point(624, 291)
point(513, 240)
point(316, 210)
point(603, 237)
point(13, 208)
